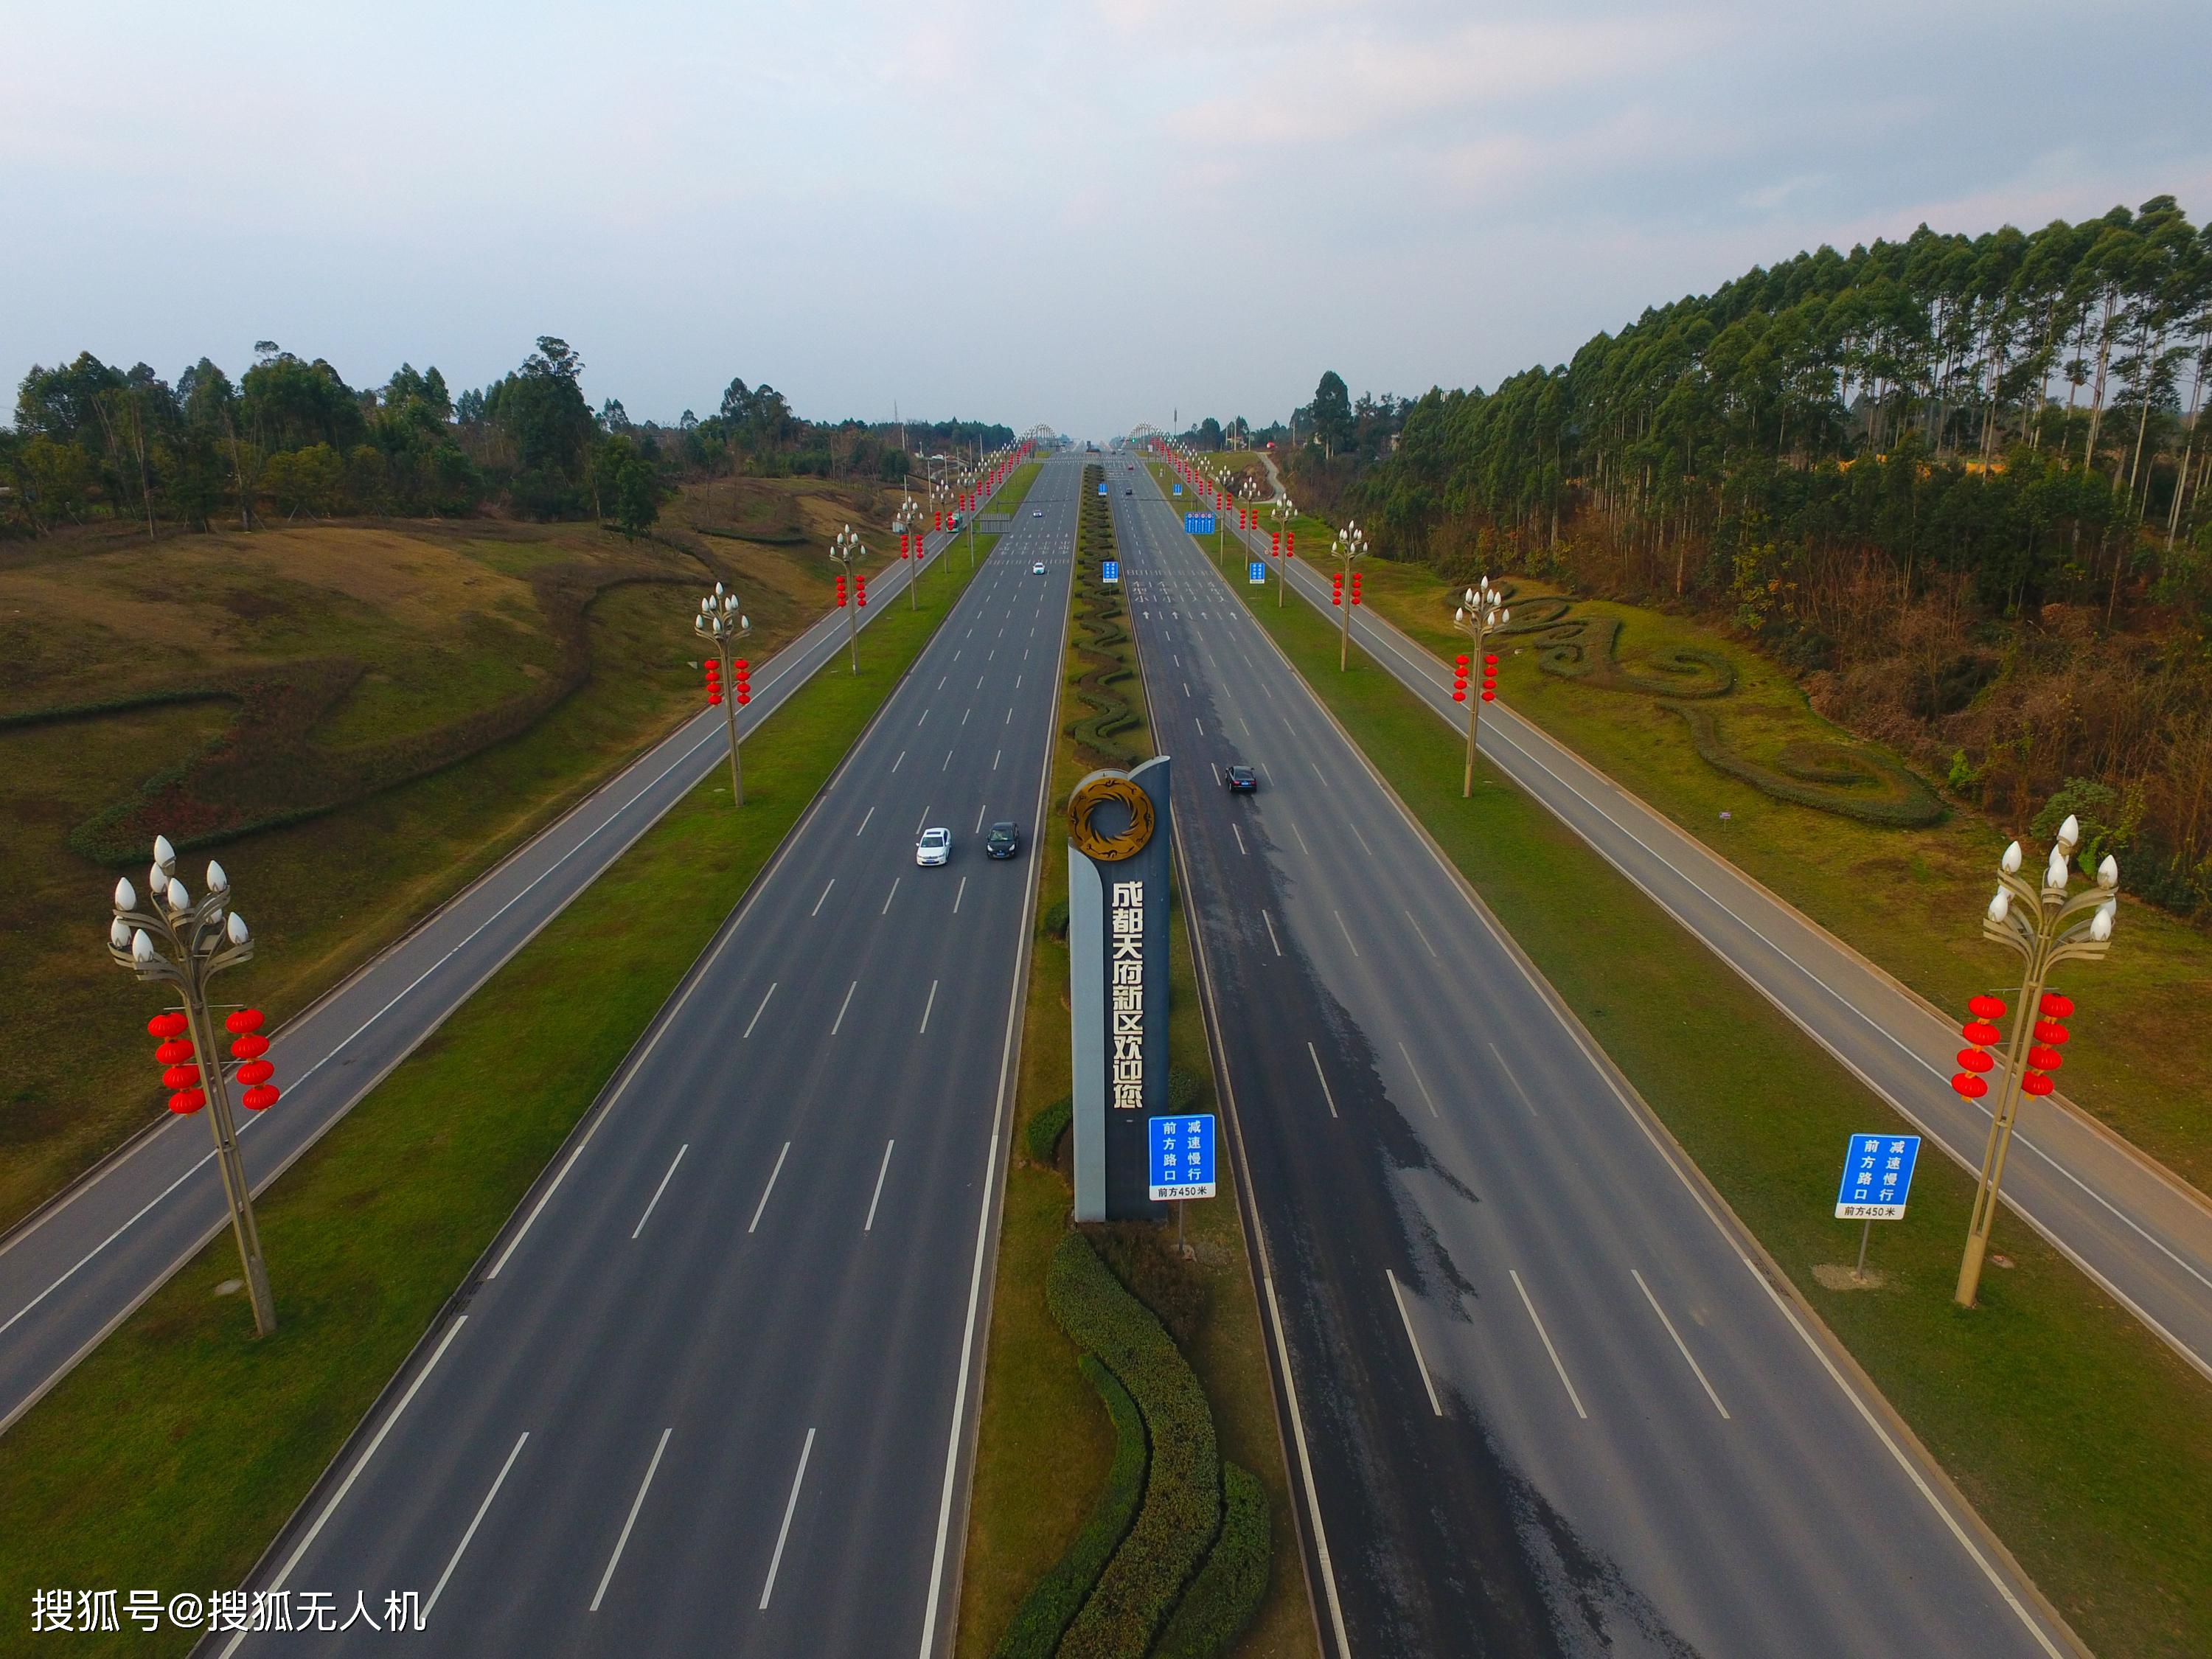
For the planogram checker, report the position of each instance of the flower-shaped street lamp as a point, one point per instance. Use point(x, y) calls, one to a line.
point(721, 624)
point(1483, 612)
point(847, 551)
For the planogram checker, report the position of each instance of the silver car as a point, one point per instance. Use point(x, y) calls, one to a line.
point(935, 846)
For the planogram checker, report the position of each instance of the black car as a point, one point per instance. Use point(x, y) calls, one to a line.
point(1241, 781)
point(1003, 842)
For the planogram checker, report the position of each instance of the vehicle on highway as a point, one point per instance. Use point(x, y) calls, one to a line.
point(935, 846)
point(1241, 780)
point(1037, 569)
point(1004, 841)
point(1128, 492)
point(1036, 513)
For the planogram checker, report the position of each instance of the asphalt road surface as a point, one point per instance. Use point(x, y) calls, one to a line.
point(77, 1267)
point(711, 1392)
point(2141, 1232)
point(1542, 1396)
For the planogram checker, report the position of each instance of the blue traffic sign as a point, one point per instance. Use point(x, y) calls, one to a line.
point(1877, 1176)
point(1198, 524)
point(1178, 490)
point(1256, 573)
point(1109, 570)
point(1182, 1159)
point(1102, 490)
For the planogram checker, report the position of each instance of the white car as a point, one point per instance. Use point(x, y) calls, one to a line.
point(935, 846)
point(1037, 569)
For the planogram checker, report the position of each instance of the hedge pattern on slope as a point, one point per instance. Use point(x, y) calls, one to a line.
point(1182, 1510)
point(1048, 1610)
point(1225, 1596)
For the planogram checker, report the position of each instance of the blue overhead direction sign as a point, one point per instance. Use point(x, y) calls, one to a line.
point(1109, 570)
point(1256, 573)
point(1182, 1156)
point(1198, 524)
point(1877, 1176)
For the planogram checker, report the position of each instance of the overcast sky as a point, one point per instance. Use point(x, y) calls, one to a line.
point(1091, 214)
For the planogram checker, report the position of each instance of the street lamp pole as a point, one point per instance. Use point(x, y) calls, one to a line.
point(848, 552)
point(1285, 514)
point(722, 625)
point(1484, 610)
point(173, 940)
point(904, 524)
point(1350, 543)
point(2044, 928)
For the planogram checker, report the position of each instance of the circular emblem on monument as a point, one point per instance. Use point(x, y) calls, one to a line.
point(1096, 794)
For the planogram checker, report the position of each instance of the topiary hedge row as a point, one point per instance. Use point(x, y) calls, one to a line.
point(1181, 1512)
point(1048, 1610)
point(1043, 1133)
point(1225, 1596)
point(1905, 802)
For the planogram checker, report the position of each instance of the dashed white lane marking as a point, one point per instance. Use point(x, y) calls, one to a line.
point(869, 1225)
point(1326, 1092)
point(770, 1188)
point(637, 1504)
point(1679, 1343)
point(772, 984)
point(661, 1189)
point(784, 1531)
point(1564, 1381)
point(1418, 1084)
point(843, 1005)
point(1272, 939)
point(1419, 1362)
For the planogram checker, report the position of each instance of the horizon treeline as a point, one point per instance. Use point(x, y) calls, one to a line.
point(94, 442)
point(1956, 482)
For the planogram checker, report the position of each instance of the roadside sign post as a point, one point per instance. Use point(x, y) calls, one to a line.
point(1182, 1166)
point(1255, 574)
point(1109, 570)
point(1877, 1177)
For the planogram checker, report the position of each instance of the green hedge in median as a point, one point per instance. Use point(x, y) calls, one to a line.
point(1229, 1588)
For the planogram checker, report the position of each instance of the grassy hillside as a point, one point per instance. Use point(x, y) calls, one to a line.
point(438, 690)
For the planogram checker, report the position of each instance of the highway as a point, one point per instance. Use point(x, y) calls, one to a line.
point(712, 1390)
point(77, 1267)
point(1541, 1396)
point(2139, 1232)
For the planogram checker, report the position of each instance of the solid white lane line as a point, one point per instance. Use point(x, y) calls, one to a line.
point(1685, 1347)
point(770, 1188)
point(1325, 1093)
point(843, 1005)
point(353, 1474)
point(784, 1531)
point(1239, 834)
point(1418, 1084)
point(635, 1505)
point(1419, 1362)
point(886, 910)
point(816, 911)
point(863, 830)
point(1549, 1348)
point(1512, 1079)
point(661, 1189)
point(1347, 931)
point(869, 1225)
point(1424, 938)
point(900, 762)
point(1272, 939)
point(957, 893)
point(439, 1589)
point(926, 1008)
point(762, 1009)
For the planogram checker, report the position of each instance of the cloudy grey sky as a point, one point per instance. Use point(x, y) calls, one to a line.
point(1088, 214)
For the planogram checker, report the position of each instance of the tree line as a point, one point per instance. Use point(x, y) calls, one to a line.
point(92, 442)
point(1958, 481)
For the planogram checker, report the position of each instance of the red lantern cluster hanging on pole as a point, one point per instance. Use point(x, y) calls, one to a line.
point(2043, 1056)
point(902, 540)
point(744, 670)
point(860, 591)
point(1290, 544)
point(1489, 676)
point(1355, 587)
point(1336, 588)
point(713, 682)
point(840, 593)
point(178, 1075)
point(1981, 1033)
point(1274, 544)
point(248, 1045)
point(1459, 678)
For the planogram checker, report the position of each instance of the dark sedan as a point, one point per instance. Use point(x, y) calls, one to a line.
point(1241, 781)
point(1003, 842)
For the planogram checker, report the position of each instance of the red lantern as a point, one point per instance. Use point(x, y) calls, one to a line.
point(2045, 1060)
point(1490, 696)
point(167, 1025)
point(175, 1052)
point(180, 1077)
point(251, 1046)
point(1987, 1007)
point(2049, 1031)
point(1979, 1032)
point(1459, 691)
point(185, 1102)
point(1969, 1086)
point(259, 1099)
point(256, 1070)
point(2055, 1005)
point(1974, 1059)
point(2036, 1083)
point(243, 1021)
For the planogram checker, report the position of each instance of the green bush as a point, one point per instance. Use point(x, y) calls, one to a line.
point(1905, 802)
point(1046, 1611)
point(1055, 914)
point(1043, 1133)
point(1225, 1596)
point(1182, 1495)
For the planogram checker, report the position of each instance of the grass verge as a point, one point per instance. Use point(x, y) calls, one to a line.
point(2081, 1439)
point(176, 1450)
point(1043, 1444)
